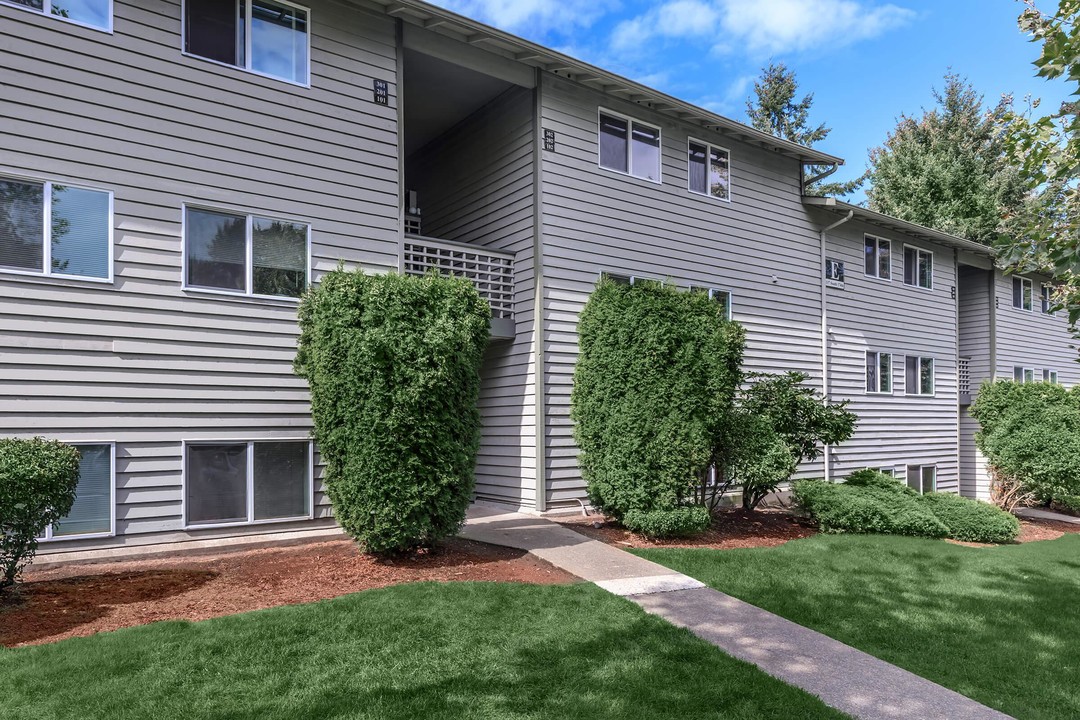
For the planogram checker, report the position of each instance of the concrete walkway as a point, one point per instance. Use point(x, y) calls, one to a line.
point(843, 677)
point(1047, 515)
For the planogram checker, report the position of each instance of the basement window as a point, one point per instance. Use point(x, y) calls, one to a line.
point(92, 512)
point(922, 478)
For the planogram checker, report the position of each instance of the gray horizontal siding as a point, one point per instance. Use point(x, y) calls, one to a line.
point(868, 314)
point(1032, 339)
point(142, 362)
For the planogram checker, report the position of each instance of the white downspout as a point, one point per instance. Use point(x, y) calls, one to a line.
point(825, 327)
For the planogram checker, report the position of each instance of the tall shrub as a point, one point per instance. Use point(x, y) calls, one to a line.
point(393, 363)
point(38, 479)
point(1030, 435)
point(655, 380)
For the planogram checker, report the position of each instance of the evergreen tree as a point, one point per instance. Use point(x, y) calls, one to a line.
point(949, 169)
point(775, 110)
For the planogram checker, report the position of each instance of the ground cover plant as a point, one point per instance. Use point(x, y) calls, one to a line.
point(872, 502)
point(38, 478)
point(997, 624)
point(461, 650)
point(393, 363)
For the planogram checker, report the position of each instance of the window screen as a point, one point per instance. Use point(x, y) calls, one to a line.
point(281, 479)
point(216, 482)
point(698, 168)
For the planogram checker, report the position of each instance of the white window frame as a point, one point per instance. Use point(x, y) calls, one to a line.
point(249, 258)
point(1046, 298)
point(246, 67)
point(629, 172)
point(877, 362)
point(1050, 375)
point(1023, 372)
point(1031, 294)
point(918, 376)
point(47, 230)
point(709, 147)
point(920, 469)
point(918, 253)
point(250, 486)
point(715, 293)
point(46, 10)
point(877, 260)
point(49, 537)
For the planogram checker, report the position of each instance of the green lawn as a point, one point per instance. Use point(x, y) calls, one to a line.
point(468, 650)
point(1000, 625)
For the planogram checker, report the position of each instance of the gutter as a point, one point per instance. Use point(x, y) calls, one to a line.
point(825, 325)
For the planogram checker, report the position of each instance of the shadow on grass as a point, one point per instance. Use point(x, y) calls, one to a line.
point(996, 624)
point(36, 610)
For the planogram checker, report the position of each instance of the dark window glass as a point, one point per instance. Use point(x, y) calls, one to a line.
point(884, 260)
point(911, 263)
point(281, 479)
point(214, 29)
point(22, 225)
point(279, 256)
point(216, 480)
point(613, 143)
point(697, 168)
point(216, 245)
point(871, 372)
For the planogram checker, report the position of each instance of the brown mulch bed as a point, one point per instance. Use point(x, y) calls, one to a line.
point(731, 529)
point(76, 600)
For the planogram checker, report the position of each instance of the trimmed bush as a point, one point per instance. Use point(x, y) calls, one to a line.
point(1068, 503)
point(38, 479)
point(855, 509)
point(393, 363)
point(971, 520)
point(688, 520)
point(877, 479)
point(655, 380)
point(762, 461)
point(1030, 434)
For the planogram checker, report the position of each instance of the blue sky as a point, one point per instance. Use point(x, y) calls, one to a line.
point(866, 61)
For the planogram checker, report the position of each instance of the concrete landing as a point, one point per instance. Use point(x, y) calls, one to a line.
point(1042, 514)
point(843, 677)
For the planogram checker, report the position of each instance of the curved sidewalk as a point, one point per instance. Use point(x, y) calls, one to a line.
point(843, 677)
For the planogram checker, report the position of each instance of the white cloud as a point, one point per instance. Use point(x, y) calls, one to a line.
point(536, 16)
point(760, 26)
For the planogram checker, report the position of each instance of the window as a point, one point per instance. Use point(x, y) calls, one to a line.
point(878, 257)
point(244, 254)
point(709, 170)
point(1023, 374)
point(52, 229)
point(92, 13)
point(265, 36)
point(919, 375)
point(918, 267)
point(1021, 293)
point(1050, 376)
point(246, 482)
point(92, 512)
point(721, 296)
point(922, 478)
point(878, 372)
point(1047, 293)
point(629, 146)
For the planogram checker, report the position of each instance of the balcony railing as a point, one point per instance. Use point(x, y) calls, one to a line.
point(491, 271)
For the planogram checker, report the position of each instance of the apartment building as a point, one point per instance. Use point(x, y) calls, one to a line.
point(173, 174)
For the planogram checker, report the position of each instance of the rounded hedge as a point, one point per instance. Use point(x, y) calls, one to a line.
point(393, 363)
point(688, 520)
point(861, 509)
point(972, 520)
point(877, 479)
point(38, 479)
point(655, 380)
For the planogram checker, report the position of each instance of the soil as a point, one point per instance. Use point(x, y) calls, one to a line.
point(731, 529)
point(83, 599)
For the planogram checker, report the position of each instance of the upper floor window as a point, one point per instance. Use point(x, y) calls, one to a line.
point(723, 297)
point(244, 254)
point(52, 229)
point(878, 372)
point(919, 375)
point(878, 259)
point(709, 168)
point(1024, 374)
point(92, 13)
point(1021, 293)
point(264, 36)
point(92, 512)
point(629, 146)
point(1047, 293)
point(918, 267)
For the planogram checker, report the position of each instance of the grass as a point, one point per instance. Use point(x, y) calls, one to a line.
point(1000, 625)
point(464, 650)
